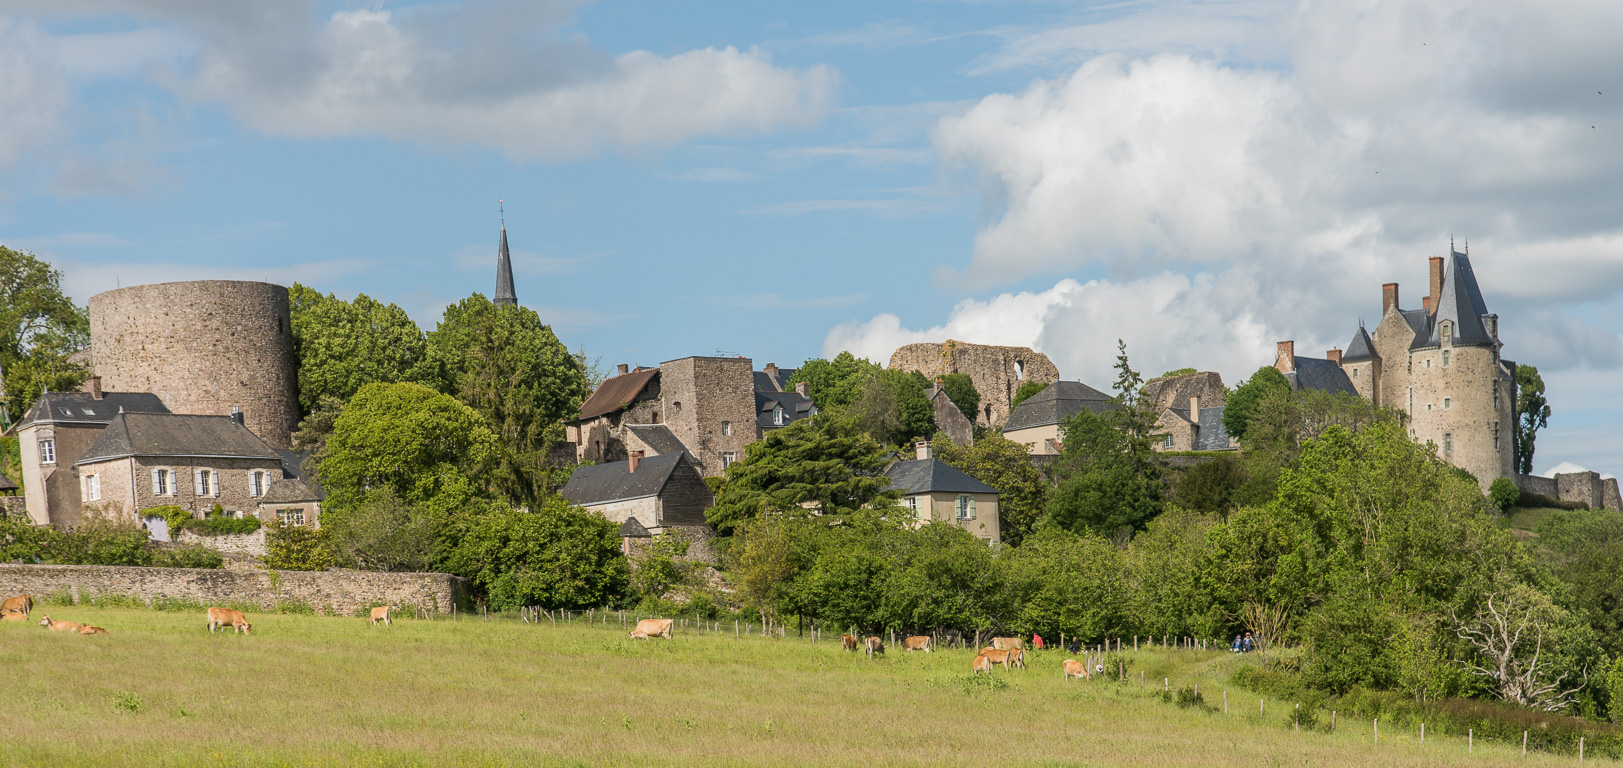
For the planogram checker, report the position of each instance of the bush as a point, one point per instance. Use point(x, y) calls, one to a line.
point(186, 557)
point(294, 548)
point(1504, 494)
point(1540, 501)
point(1210, 486)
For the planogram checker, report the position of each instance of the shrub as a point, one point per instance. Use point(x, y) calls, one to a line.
point(194, 556)
point(222, 526)
point(1540, 501)
point(294, 548)
point(1504, 494)
point(1210, 486)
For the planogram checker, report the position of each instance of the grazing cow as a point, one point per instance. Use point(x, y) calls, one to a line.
point(981, 664)
point(59, 626)
point(1017, 657)
point(875, 646)
point(848, 642)
point(225, 617)
point(650, 628)
point(916, 643)
point(22, 604)
point(86, 629)
point(995, 656)
point(1074, 668)
point(1007, 643)
point(381, 613)
point(12, 616)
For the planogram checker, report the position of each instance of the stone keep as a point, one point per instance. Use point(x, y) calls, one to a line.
point(203, 347)
point(997, 372)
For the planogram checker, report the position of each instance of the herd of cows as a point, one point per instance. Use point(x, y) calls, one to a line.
point(18, 608)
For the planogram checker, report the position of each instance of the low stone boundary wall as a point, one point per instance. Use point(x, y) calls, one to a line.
point(230, 544)
point(13, 506)
point(341, 592)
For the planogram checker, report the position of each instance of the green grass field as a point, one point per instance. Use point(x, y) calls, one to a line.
point(313, 691)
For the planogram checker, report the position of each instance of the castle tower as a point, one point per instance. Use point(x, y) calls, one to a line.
point(203, 347)
point(504, 274)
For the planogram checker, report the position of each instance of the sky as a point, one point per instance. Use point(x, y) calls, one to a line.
point(1198, 178)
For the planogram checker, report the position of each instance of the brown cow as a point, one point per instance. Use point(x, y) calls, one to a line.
point(848, 642)
point(917, 643)
point(1017, 657)
point(1074, 668)
point(381, 613)
point(995, 656)
point(1007, 643)
point(981, 664)
point(22, 604)
point(12, 616)
point(86, 629)
point(59, 626)
point(225, 617)
point(650, 628)
point(875, 647)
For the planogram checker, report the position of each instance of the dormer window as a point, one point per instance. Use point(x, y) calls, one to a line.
point(1448, 331)
point(777, 415)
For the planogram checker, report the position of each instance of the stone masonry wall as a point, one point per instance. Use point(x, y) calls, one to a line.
point(203, 347)
point(340, 592)
point(700, 394)
point(231, 544)
point(13, 506)
point(1609, 497)
point(1543, 486)
point(997, 372)
point(1581, 486)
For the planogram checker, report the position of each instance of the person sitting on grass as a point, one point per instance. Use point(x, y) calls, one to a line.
point(1237, 643)
point(1248, 645)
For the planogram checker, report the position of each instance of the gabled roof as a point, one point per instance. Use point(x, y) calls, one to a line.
point(176, 435)
point(658, 437)
point(1318, 373)
point(1057, 403)
point(618, 392)
point(1461, 304)
point(633, 529)
point(795, 407)
point(6, 484)
point(288, 491)
point(1362, 347)
point(82, 408)
point(930, 476)
point(764, 382)
point(605, 483)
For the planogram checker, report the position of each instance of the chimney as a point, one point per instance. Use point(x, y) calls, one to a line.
point(236, 416)
point(631, 463)
point(803, 388)
point(95, 387)
point(1436, 282)
point(1425, 303)
point(622, 369)
point(922, 450)
point(771, 369)
point(1286, 359)
point(1194, 408)
point(1389, 298)
point(1334, 356)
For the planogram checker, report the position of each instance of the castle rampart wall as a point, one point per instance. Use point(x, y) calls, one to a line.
point(997, 372)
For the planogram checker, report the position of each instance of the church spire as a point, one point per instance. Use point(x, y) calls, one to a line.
point(504, 269)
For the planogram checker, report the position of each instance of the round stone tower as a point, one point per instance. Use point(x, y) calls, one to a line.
point(203, 347)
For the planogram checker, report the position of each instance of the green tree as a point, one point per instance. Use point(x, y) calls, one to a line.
point(311, 437)
point(1583, 549)
point(1503, 494)
point(1025, 392)
point(1178, 372)
point(1248, 397)
point(1023, 492)
point(1535, 414)
point(658, 566)
point(1167, 566)
point(382, 533)
point(556, 556)
point(825, 463)
point(835, 383)
point(893, 406)
point(342, 346)
point(1211, 487)
point(1109, 475)
point(1059, 582)
point(941, 577)
point(763, 562)
point(295, 548)
point(961, 391)
point(40, 327)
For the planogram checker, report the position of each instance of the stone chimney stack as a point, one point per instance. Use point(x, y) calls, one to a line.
point(1334, 356)
point(803, 388)
point(1389, 297)
point(1425, 303)
point(1286, 359)
point(1194, 408)
point(1436, 282)
point(631, 463)
point(771, 370)
point(95, 387)
point(922, 450)
point(622, 369)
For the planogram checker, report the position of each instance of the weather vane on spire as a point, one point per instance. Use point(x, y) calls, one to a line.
point(502, 210)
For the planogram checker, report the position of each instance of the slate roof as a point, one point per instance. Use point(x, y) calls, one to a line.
point(658, 437)
point(932, 475)
point(1175, 391)
point(1057, 402)
point(1362, 347)
point(605, 483)
point(1461, 303)
point(504, 274)
point(1318, 373)
point(293, 469)
point(6, 484)
point(1213, 436)
point(618, 392)
point(180, 435)
point(632, 529)
point(765, 383)
point(81, 408)
point(288, 491)
point(795, 407)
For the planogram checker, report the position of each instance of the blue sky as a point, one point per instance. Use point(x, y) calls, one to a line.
point(1198, 178)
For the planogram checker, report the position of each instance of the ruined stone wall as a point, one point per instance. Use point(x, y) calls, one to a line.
point(997, 372)
point(950, 420)
point(1609, 497)
point(340, 592)
point(13, 506)
point(1543, 486)
point(203, 347)
point(1175, 391)
point(1582, 487)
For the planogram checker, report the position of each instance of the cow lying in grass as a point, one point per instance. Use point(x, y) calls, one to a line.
point(22, 604)
point(381, 613)
point(651, 628)
point(59, 626)
point(11, 616)
point(917, 643)
point(86, 629)
point(225, 617)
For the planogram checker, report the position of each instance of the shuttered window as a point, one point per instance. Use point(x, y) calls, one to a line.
point(207, 482)
point(162, 483)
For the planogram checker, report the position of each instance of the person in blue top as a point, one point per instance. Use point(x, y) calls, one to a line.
point(1247, 645)
point(1236, 646)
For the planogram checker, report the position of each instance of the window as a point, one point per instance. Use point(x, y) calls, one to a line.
point(1167, 443)
point(656, 417)
point(163, 483)
point(256, 484)
point(677, 406)
point(1448, 402)
point(1445, 358)
point(1355, 372)
point(1019, 370)
point(1448, 335)
point(293, 517)
point(1428, 362)
point(1411, 401)
point(92, 487)
point(777, 415)
point(726, 428)
point(728, 458)
point(1428, 406)
point(207, 482)
point(1496, 392)
point(912, 503)
point(47, 451)
point(966, 507)
point(1496, 434)
point(1448, 442)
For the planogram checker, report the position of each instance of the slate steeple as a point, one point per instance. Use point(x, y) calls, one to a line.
point(504, 271)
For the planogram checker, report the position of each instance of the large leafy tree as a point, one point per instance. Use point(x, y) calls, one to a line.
point(40, 327)
point(1108, 471)
point(1534, 410)
point(342, 346)
point(1025, 392)
point(826, 464)
point(836, 383)
point(893, 406)
point(1248, 397)
point(554, 556)
point(1023, 492)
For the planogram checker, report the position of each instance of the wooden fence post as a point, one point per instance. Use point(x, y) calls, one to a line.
point(1141, 681)
point(1470, 740)
point(1524, 743)
point(1376, 724)
point(1422, 733)
point(1332, 719)
point(1580, 749)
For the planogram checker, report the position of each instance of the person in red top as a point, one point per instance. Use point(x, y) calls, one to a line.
point(1037, 642)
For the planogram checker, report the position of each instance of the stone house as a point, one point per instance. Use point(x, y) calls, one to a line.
point(661, 493)
point(774, 379)
point(1189, 412)
point(949, 419)
point(997, 372)
point(936, 491)
point(55, 433)
point(1035, 422)
point(1323, 374)
point(776, 410)
point(708, 404)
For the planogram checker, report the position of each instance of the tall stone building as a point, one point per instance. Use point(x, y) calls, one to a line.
point(1440, 364)
point(997, 372)
point(706, 406)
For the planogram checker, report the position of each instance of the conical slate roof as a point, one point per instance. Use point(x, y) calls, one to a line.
point(1460, 304)
point(1361, 348)
point(504, 275)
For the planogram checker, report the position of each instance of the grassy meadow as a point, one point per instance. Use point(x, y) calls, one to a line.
point(313, 691)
